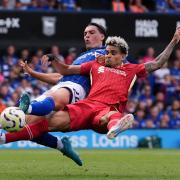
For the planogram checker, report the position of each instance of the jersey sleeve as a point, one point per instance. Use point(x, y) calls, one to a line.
point(141, 71)
point(86, 67)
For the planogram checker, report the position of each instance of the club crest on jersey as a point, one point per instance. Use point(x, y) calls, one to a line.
point(101, 69)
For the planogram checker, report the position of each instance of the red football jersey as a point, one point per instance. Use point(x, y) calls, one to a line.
point(110, 85)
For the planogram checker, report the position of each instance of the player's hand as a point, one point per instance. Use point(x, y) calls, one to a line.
point(176, 36)
point(26, 67)
point(45, 60)
point(100, 58)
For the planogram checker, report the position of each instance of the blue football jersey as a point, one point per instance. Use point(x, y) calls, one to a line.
point(87, 56)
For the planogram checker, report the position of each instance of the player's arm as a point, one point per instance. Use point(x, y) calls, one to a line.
point(50, 78)
point(65, 69)
point(60, 67)
point(164, 56)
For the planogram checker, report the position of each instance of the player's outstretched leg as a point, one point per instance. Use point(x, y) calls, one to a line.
point(121, 125)
point(68, 151)
point(24, 102)
point(39, 108)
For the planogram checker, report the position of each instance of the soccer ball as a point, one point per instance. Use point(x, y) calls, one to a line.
point(12, 119)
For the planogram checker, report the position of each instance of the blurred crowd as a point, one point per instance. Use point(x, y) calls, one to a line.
point(13, 81)
point(155, 101)
point(66, 5)
point(140, 6)
point(133, 6)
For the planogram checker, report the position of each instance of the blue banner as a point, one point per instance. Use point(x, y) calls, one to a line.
point(90, 140)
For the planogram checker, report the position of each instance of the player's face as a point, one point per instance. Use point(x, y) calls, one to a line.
point(113, 56)
point(92, 37)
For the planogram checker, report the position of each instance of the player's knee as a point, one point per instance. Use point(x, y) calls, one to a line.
point(60, 104)
point(104, 120)
point(60, 101)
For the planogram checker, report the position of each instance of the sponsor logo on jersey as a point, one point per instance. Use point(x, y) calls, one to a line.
point(117, 71)
point(101, 69)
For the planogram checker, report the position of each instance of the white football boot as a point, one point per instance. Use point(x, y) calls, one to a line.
point(126, 122)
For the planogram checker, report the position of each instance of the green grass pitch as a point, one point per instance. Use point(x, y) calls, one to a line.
point(98, 164)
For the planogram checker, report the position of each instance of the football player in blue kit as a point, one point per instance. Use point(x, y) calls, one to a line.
point(68, 89)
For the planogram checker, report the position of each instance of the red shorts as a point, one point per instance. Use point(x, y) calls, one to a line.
point(86, 114)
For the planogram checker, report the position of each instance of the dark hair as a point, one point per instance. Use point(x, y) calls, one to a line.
point(100, 28)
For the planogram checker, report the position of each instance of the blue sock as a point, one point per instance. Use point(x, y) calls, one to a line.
point(46, 140)
point(42, 108)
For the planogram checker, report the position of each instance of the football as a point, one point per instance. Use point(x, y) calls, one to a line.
point(12, 119)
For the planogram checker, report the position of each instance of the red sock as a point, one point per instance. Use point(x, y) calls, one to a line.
point(28, 132)
point(113, 119)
